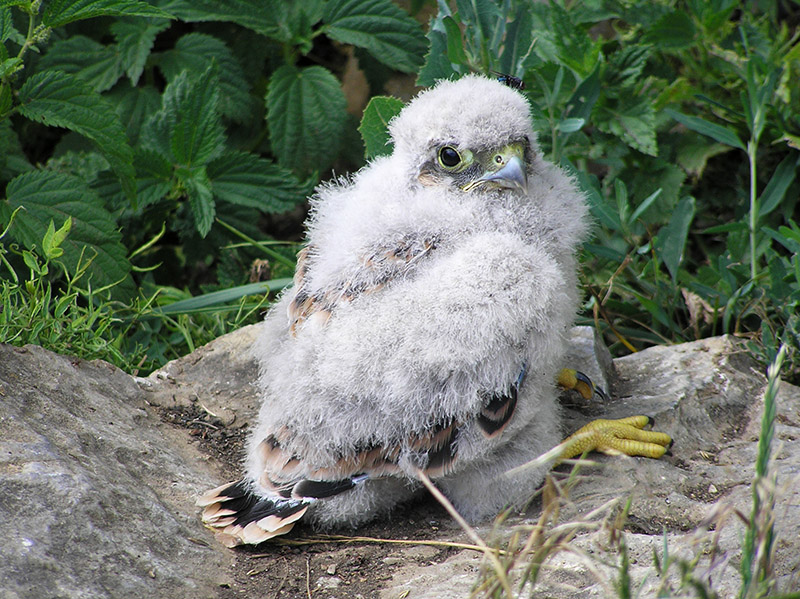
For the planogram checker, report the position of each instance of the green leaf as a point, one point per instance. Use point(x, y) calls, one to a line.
point(249, 180)
point(712, 130)
point(8, 67)
point(12, 158)
point(194, 52)
point(672, 237)
point(783, 176)
point(625, 67)
point(437, 65)
point(374, 127)
point(576, 49)
point(6, 24)
point(570, 125)
point(632, 119)
point(135, 38)
point(306, 116)
point(58, 100)
point(187, 129)
point(61, 12)
point(51, 244)
point(602, 251)
point(455, 43)
point(153, 177)
point(480, 18)
point(134, 105)
point(379, 26)
point(197, 136)
point(224, 296)
point(262, 16)
point(50, 196)
point(646, 203)
point(673, 31)
point(739, 226)
point(599, 207)
point(201, 199)
point(695, 150)
point(87, 59)
point(786, 237)
point(518, 47)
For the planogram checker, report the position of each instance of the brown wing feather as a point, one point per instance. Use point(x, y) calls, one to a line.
point(378, 268)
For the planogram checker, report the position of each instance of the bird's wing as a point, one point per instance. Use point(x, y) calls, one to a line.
point(287, 474)
point(376, 267)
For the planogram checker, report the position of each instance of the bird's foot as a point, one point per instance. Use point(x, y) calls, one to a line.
point(624, 436)
point(575, 380)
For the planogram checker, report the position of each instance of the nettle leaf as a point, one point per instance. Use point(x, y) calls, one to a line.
point(197, 136)
point(673, 31)
point(672, 237)
point(187, 129)
point(437, 65)
point(12, 158)
point(194, 52)
point(6, 24)
point(295, 21)
point(201, 199)
point(56, 99)
point(87, 59)
point(153, 177)
point(51, 196)
point(249, 180)
point(306, 117)
point(258, 15)
point(135, 38)
point(575, 48)
point(381, 27)
point(374, 127)
point(630, 118)
point(61, 12)
point(134, 105)
point(625, 67)
point(8, 66)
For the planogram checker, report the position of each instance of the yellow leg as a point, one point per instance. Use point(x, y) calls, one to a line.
point(575, 380)
point(623, 436)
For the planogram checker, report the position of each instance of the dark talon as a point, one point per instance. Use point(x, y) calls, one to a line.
point(588, 382)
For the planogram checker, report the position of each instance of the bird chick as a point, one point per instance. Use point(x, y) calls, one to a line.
point(425, 328)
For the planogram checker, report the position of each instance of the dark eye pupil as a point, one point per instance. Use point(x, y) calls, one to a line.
point(449, 156)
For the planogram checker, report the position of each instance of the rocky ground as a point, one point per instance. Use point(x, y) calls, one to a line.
point(99, 472)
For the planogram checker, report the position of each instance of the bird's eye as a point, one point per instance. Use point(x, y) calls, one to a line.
point(449, 157)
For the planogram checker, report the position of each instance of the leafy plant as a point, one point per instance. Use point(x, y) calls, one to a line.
point(680, 123)
point(166, 119)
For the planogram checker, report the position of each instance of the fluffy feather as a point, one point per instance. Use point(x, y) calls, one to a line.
point(404, 341)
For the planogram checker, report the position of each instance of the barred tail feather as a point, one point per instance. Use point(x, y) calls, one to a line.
point(238, 516)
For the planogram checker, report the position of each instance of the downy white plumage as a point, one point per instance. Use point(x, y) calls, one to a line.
point(424, 330)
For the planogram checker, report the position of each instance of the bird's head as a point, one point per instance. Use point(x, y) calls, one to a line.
point(471, 134)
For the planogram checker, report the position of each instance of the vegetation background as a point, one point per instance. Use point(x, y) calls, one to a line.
point(156, 157)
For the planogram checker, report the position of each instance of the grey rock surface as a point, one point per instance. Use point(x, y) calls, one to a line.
point(97, 487)
point(709, 396)
point(96, 494)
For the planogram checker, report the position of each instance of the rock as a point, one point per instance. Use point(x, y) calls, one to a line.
point(219, 377)
point(709, 396)
point(96, 495)
point(97, 488)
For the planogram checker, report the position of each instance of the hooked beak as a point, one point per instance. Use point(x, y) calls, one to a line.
point(510, 171)
point(511, 176)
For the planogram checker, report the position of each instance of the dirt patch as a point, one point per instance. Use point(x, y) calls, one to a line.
point(308, 563)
